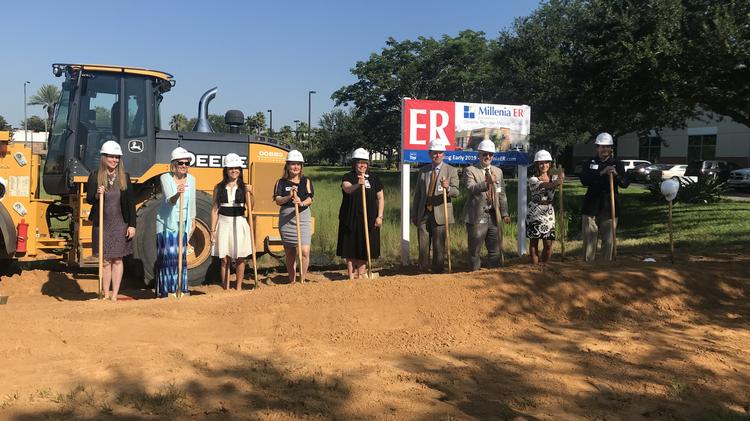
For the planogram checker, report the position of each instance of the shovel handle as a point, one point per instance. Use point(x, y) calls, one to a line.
point(614, 215)
point(367, 230)
point(447, 228)
point(101, 245)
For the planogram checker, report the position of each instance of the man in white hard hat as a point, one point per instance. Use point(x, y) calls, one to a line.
point(483, 180)
point(428, 211)
point(596, 218)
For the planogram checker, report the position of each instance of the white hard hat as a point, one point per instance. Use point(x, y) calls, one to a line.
point(605, 139)
point(361, 153)
point(437, 145)
point(295, 156)
point(232, 160)
point(542, 155)
point(111, 147)
point(180, 153)
point(669, 189)
point(486, 146)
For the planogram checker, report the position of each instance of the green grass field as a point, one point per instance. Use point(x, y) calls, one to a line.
point(642, 228)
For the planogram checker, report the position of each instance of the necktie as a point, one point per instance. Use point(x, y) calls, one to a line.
point(431, 191)
point(490, 188)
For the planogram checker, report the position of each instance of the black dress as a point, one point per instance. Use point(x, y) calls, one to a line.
point(351, 239)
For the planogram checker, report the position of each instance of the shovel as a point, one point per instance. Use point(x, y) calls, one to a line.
point(370, 274)
point(496, 205)
point(252, 236)
point(299, 239)
point(612, 205)
point(101, 246)
point(447, 228)
point(562, 222)
point(181, 232)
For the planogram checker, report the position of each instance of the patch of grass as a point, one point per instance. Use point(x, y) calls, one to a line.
point(9, 400)
point(676, 389)
point(169, 398)
point(642, 222)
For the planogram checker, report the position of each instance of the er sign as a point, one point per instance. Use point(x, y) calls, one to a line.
point(461, 126)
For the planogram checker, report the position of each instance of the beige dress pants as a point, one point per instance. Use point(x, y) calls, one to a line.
point(593, 227)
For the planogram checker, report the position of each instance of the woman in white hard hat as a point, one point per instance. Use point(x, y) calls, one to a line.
point(111, 180)
point(230, 232)
point(540, 218)
point(294, 188)
point(174, 182)
point(351, 238)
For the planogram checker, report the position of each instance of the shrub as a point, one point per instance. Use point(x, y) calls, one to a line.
point(705, 190)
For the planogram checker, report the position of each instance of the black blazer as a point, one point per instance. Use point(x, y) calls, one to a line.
point(127, 201)
point(597, 194)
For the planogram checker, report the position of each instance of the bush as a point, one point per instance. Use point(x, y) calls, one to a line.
point(705, 190)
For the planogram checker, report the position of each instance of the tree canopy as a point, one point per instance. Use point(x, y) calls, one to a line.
point(583, 66)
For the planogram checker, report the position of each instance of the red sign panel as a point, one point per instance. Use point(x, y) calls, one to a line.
point(427, 120)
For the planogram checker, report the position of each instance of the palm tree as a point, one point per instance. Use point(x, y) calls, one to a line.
point(178, 122)
point(47, 96)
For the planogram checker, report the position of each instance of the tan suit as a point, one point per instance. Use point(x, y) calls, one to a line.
point(431, 225)
point(479, 215)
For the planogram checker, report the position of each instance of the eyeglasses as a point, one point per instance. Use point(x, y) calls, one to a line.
point(182, 163)
point(485, 154)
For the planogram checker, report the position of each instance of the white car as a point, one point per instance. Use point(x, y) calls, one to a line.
point(632, 163)
point(739, 179)
point(674, 171)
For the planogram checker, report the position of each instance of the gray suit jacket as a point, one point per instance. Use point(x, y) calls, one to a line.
point(476, 203)
point(420, 193)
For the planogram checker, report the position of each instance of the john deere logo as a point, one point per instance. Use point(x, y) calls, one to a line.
point(135, 146)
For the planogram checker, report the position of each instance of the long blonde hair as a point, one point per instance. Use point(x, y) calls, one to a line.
point(101, 177)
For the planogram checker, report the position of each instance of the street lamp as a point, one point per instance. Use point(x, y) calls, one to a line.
point(25, 120)
point(309, 103)
point(270, 122)
point(296, 130)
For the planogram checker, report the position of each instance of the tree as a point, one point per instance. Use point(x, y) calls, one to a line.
point(286, 134)
point(47, 96)
point(452, 68)
point(254, 124)
point(336, 136)
point(179, 123)
point(34, 124)
point(4, 124)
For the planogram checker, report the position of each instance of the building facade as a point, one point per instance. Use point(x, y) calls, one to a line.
point(720, 138)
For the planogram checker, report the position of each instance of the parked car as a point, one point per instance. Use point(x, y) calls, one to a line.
point(739, 179)
point(630, 164)
point(674, 171)
point(646, 173)
point(710, 168)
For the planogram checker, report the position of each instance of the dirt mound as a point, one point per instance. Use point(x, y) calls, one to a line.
point(570, 340)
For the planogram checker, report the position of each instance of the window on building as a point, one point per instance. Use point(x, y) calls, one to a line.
point(649, 148)
point(701, 147)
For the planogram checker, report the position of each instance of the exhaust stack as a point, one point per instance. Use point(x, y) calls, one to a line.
point(203, 125)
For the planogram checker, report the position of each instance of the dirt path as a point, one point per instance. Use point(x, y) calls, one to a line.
point(623, 341)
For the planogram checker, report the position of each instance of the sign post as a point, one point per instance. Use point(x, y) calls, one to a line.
point(461, 126)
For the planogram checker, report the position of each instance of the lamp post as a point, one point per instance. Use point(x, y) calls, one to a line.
point(296, 131)
point(309, 107)
point(270, 122)
point(25, 120)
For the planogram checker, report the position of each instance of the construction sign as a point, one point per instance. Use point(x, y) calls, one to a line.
point(461, 126)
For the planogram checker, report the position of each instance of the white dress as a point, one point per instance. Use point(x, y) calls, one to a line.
point(232, 232)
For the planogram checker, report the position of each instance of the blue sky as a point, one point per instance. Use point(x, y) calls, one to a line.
point(261, 55)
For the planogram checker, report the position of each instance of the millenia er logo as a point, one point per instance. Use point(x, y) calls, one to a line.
point(498, 112)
